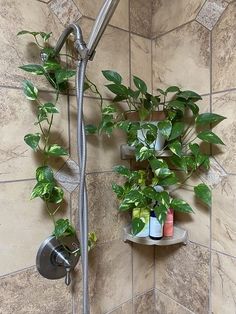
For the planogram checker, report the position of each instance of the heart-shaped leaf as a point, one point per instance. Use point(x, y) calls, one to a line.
point(32, 140)
point(203, 192)
point(56, 150)
point(210, 137)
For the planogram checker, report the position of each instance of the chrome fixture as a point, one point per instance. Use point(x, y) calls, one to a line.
point(56, 258)
point(86, 52)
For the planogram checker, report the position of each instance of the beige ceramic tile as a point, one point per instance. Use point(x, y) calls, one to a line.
point(223, 56)
point(110, 278)
point(141, 17)
point(211, 13)
point(182, 58)
point(66, 11)
point(223, 284)
point(198, 223)
point(186, 267)
point(169, 14)
point(143, 268)
point(223, 104)
point(90, 8)
point(104, 219)
point(16, 51)
point(24, 225)
point(103, 151)
point(145, 303)
point(123, 309)
point(223, 216)
point(141, 61)
point(166, 305)
point(17, 117)
point(27, 292)
point(112, 54)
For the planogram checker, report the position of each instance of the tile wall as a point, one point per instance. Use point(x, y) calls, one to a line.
point(193, 45)
point(121, 276)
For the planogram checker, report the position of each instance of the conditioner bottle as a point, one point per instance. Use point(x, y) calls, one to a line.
point(156, 228)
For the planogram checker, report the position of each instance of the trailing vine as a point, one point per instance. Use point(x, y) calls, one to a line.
point(42, 142)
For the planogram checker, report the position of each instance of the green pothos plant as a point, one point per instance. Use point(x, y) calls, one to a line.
point(185, 130)
point(41, 141)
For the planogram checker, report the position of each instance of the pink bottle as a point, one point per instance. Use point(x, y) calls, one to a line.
point(168, 230)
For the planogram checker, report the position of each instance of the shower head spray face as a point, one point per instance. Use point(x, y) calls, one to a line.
point(101, 23)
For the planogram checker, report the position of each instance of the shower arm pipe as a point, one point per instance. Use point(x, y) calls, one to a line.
point(79, 44)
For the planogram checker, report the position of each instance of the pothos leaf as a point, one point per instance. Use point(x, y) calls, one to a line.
point(56, 150)
point(203, 192)
point(30, 91)
point(32, 140)
point(137, 225)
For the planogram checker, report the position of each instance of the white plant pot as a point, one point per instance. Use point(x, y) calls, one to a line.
point(158, 144)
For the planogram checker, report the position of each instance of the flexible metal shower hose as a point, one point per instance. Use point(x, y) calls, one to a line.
point(83, 199)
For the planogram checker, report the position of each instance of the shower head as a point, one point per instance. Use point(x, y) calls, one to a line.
point(100, 24)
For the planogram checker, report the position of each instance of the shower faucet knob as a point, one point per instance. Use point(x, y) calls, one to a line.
point(55, 258)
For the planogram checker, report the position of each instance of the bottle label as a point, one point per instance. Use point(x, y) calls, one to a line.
point(156, 229)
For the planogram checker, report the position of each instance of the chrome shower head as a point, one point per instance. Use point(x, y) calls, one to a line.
point(103, 18)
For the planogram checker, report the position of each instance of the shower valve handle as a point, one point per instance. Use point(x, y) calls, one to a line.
point(68, 276)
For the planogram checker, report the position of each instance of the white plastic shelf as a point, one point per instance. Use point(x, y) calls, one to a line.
point(180, 236)
point(128, 152)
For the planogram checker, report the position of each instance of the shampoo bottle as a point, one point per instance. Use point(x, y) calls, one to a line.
point(156, 228)
point(168, 229)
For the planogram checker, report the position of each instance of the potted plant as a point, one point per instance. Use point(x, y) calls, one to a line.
point(180, 118)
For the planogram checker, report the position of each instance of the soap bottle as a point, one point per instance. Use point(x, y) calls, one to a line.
point(155, 228)
point(168, 229)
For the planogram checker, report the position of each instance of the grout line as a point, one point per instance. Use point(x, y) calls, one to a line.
point(152, 67)
point(155, 284)
point(209, 30)
point(199, 244)
point(222, 253)
point(211, 208)
point(174, 300)
point(119, 28)
point(224, 91)
point(130, 55)
point(176, 28)
point(100, 172)
point(117, 307)
point(17, 272)
point(15, 181)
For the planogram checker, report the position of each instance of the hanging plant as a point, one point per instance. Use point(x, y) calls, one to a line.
point(41, 141)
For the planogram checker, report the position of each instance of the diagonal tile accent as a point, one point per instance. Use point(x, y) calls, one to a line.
point(166, 305)
point(65, 10)
point(170, 14)
point(214, 176)
point(68, 175)
point(211, 12)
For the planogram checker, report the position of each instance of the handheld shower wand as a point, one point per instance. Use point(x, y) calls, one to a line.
point(103, 18)
point(86, 53)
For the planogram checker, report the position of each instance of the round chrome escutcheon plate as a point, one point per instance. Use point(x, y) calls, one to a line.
point(46, 262)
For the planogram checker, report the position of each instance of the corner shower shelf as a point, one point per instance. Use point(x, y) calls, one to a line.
point(180, 236)
point(127, 152)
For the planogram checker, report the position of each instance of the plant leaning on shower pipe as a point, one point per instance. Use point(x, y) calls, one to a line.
point(181, 134)
point(57, 75)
